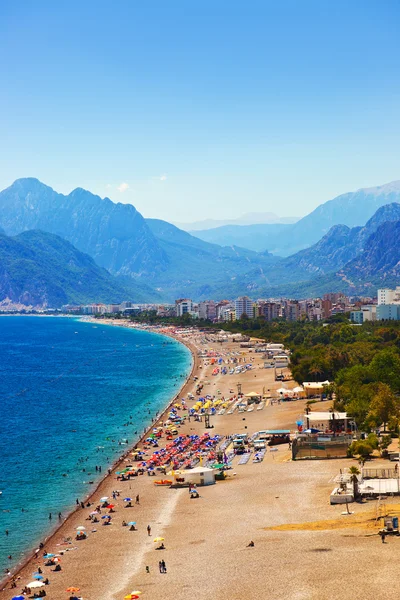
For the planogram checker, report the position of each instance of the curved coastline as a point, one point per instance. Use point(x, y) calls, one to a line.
point(57, 532)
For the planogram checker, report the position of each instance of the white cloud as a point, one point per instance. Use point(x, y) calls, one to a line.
point(122, 187)
point(163, 177)
point(108, 186)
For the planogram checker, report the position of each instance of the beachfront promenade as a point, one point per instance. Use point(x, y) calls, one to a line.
point(301, 543)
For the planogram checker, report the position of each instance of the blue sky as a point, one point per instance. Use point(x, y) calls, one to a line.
point(195, 109)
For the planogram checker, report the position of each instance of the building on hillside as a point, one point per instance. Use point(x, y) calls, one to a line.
point(243, 306)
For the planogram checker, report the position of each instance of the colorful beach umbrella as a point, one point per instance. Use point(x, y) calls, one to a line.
point(158, 539)
point(19, 598)
point(73, 589)
point(81, 528)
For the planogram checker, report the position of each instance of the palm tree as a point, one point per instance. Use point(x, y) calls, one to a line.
point(354, 472)
point(316, 370)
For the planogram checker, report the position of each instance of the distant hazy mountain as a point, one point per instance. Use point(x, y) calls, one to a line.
point(351, 209)
point(340, 245)
point(197, 268)
point(42, 269)
point(253, 237)
point(246, 219)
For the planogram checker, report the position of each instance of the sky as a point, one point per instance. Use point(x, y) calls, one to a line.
point(194, 109)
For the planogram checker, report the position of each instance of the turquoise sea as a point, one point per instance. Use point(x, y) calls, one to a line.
point(70, 392)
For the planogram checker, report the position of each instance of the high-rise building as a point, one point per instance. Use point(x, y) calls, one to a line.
point(269, 310)
point(183, 306)
point(243, 306)
point(292, 311)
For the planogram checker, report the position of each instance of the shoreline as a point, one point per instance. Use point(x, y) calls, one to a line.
point(112, 467)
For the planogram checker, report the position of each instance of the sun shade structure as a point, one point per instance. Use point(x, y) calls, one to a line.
point(35, 584)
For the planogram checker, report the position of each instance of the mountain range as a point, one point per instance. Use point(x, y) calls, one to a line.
point(79, 247)
point(351, 209)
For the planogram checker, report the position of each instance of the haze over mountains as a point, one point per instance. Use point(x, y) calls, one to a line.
point(109, 252)
point(351, 209)
point(252, 218)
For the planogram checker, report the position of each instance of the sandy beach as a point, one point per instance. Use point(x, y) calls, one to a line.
point(303, 547)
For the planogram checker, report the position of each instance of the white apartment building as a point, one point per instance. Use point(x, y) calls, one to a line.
point(243, 306)
point(388, 296)
point(183, 306)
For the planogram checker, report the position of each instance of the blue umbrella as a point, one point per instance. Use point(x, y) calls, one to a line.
point(132, 523)
point(48, 555)
point(19, 598)
point(127, 499)
point(106, 517)
point(37, 576)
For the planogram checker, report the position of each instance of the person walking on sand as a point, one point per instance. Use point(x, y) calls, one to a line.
point(137, 499)
point(164, 567)
point(148, 530)
point(383, 536)
point(160, 566)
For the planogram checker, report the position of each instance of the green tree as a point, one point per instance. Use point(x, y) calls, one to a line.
point(360, 448)
point(384, 405)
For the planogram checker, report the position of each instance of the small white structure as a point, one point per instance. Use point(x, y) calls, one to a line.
point(341, 496)
point(327, 421)
point(197, 476)
point(314, 387)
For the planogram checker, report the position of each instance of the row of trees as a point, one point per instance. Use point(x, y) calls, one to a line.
point(362, 361)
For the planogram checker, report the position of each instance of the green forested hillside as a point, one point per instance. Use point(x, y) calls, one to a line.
point(42, 269)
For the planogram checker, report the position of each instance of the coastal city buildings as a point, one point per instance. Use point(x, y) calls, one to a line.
point(385, 307)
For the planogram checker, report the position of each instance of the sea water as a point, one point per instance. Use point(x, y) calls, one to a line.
point(71, 394)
